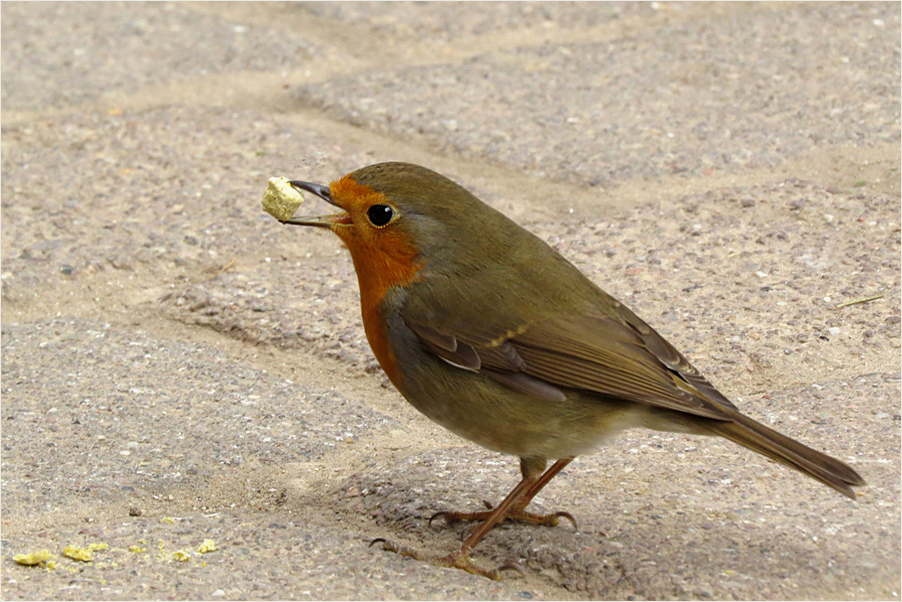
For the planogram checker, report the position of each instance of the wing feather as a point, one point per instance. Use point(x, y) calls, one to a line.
point(615, 355)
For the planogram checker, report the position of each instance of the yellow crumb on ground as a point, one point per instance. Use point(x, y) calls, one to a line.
point(83, 554)
point(33, 558)
point(207, 546)
point(181, 556)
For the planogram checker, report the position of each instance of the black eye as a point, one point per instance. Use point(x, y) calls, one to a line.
point(380, 214)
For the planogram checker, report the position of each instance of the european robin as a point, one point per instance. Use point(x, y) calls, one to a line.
point(489, 332)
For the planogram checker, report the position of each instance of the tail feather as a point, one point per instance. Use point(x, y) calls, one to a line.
point(768, 442)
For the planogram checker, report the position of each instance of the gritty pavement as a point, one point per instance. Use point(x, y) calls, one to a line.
point(177, 367)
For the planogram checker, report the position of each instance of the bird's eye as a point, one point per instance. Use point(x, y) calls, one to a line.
point(380, 215)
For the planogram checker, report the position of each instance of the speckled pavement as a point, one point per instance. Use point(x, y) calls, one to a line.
point(177, 367)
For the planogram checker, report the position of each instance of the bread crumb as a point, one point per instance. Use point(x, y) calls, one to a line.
point(83, 554)
point(281, 199)
point(207, 546)
point(33, 558)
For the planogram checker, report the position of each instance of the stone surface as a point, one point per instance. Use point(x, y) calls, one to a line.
point(77, 53)
point(714, 94)
point(177, 366)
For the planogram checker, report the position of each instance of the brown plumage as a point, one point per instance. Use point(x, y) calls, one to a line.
point(491, 333)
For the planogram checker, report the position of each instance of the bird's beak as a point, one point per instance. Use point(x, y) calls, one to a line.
point(320, 221)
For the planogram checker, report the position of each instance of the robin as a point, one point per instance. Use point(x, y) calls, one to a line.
point(489, 332)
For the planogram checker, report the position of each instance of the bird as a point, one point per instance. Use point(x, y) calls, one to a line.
point(492, 334)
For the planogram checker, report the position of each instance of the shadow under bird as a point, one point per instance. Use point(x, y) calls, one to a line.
point(489, 332)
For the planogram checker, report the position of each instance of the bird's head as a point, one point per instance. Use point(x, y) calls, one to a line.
point(397, 218)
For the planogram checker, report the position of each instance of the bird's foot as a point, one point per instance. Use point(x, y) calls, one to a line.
point(390, 546)
point(516, 514)
point(454, 561)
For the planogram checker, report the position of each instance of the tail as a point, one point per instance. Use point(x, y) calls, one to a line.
point(768, 442)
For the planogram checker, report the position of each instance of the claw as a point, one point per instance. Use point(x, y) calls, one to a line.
point(390, 546)
point(494, 574)
point(568, 516)
point(435, 516)
point(510, 567)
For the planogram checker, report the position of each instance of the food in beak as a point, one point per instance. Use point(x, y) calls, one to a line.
point(281, 199)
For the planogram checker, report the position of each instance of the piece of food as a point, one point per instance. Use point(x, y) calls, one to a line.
point(33, 558)
point(207, 546)
point(281, 199)
point(83, 554)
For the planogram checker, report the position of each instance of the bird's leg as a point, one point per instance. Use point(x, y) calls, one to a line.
point(512, 508)
point(530, 468)
point(461, 558)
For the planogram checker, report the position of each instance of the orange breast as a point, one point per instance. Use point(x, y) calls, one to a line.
point(377, 272)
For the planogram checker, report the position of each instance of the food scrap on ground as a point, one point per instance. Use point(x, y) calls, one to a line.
point(33, 558)
point(83, 554)
point(207, 546)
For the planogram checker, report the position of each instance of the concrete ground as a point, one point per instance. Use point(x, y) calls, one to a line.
point(177, 367)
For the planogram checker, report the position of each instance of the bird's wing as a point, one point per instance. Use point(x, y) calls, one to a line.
point(613, 353)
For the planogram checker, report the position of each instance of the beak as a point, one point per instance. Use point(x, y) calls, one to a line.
point(319, 190)
point(321, 221)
